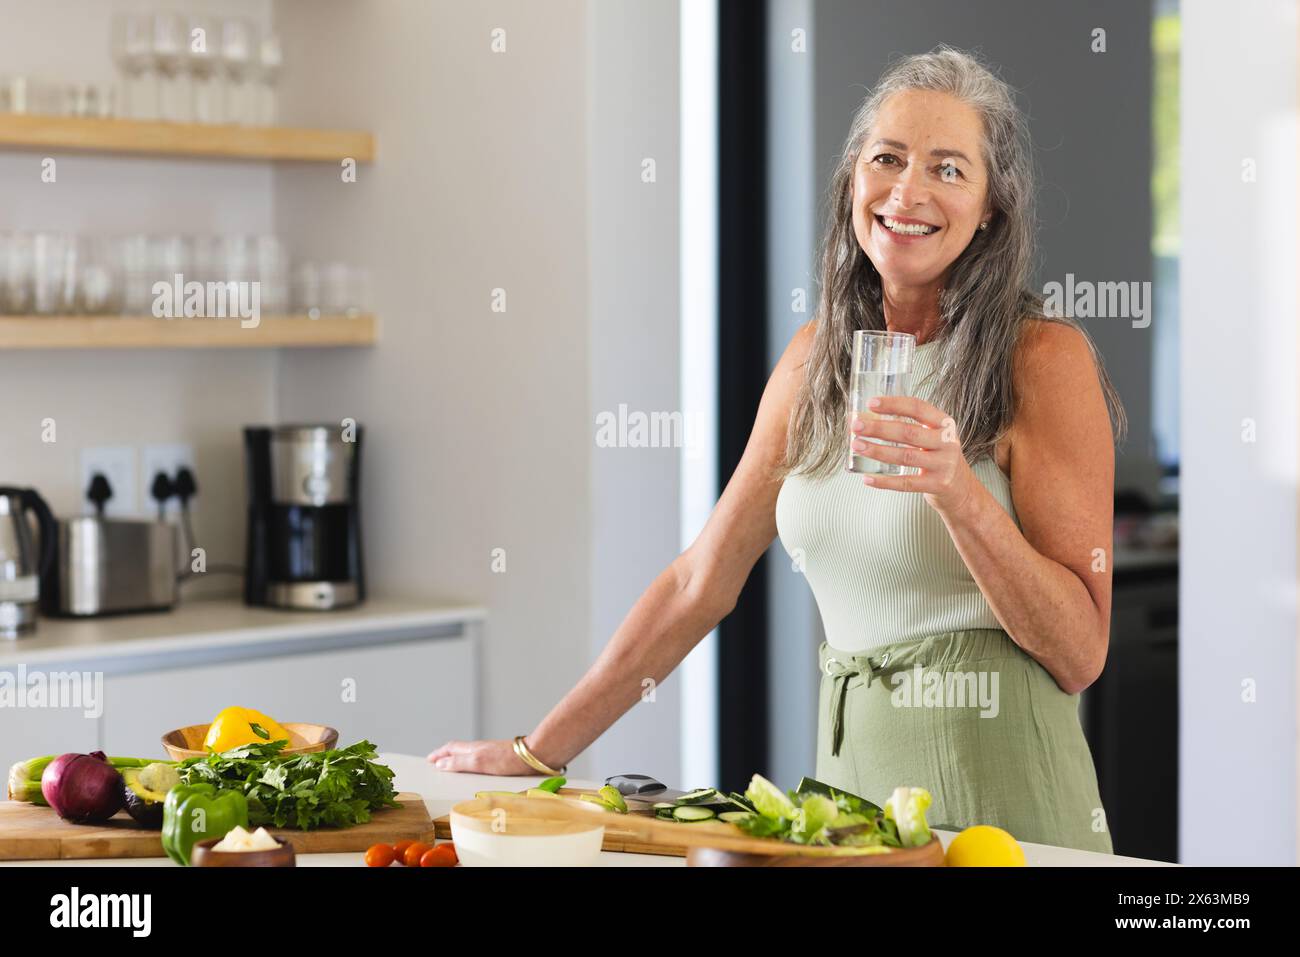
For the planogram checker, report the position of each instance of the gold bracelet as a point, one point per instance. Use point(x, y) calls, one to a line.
point(531, 760)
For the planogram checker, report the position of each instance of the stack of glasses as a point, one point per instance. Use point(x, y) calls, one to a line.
point(57, 274)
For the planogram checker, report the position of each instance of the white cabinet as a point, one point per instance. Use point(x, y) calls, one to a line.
point(407, 697)
point(34, 732)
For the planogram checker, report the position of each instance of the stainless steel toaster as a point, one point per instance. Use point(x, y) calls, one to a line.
point(104, 566)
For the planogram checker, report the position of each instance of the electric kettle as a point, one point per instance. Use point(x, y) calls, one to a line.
point(21, 567)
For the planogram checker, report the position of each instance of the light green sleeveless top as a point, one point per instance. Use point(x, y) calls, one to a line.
point(881, 564)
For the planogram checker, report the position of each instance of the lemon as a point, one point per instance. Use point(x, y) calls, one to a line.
point(985, 846)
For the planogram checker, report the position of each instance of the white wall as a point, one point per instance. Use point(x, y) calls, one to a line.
point(1238, 509)
point(134, 397)
point(479, 432)
point(634, 343)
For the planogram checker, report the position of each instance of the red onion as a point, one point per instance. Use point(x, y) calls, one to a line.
point(83, 788)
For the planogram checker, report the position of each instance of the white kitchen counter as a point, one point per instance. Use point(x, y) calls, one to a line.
point(442, 789)
point(223, 625)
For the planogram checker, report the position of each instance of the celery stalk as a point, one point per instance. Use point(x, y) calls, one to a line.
point(25, 776)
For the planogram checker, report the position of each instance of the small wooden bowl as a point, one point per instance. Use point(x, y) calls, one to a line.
point(303, 739)
point(202, 855)
point(927, 855)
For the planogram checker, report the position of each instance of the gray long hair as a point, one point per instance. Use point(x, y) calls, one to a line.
point(986, 302)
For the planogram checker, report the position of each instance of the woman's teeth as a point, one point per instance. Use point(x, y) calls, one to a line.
point(907, 229)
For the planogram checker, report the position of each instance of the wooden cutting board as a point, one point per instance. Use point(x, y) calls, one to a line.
point(616, 838)
point(29, 833)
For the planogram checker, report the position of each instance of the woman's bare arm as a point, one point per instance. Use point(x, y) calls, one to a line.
point(682, 605)
point(1050, 585)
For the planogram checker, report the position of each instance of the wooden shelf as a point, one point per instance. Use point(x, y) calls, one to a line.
point(88, 134)
point(146, 332)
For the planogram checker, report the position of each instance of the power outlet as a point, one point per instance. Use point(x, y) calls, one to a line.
point(166, 459)
point(117, 463)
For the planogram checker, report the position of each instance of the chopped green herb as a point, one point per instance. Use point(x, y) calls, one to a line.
point(337, 788)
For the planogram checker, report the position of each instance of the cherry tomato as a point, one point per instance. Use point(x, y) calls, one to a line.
point(440, 856)
point(399, 850)
point(451, 847)
point(413, 854)
point(380, 855)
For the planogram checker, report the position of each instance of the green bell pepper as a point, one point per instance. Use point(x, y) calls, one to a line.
point(193, 812)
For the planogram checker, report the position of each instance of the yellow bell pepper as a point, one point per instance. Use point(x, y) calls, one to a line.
point(234, 728)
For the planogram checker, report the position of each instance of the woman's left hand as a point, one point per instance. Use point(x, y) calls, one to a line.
point(930, 444)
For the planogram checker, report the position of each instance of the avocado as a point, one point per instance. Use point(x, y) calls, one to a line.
point(146, 789)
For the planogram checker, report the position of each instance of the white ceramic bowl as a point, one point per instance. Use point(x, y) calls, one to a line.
point(492, 838)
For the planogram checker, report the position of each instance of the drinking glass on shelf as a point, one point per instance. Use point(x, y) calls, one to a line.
point(15, 274)
point(238, 259)
point(204, 60)
point(336, 289)
point(169, 258)
point(133, 52)
point(273, 274)
point(94, 99)
point(137, 275)
point(237, 54)
point(207, 259)
point(53, 274)
point(881, 366)
point(307, 290)
point(360, 299)
point(271, 60)
point(16, 95)
point(99, 285)
point(170, 53)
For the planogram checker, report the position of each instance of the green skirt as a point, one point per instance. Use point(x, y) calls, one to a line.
point(973, 719)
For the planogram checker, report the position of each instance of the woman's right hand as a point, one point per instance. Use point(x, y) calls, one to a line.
point(479, 757)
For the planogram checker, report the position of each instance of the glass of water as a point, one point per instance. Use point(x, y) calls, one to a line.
point(882, 366)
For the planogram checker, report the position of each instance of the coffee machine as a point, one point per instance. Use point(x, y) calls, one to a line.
point(304, 521)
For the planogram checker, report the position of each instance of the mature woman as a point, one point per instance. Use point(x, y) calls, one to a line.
point(988, 565)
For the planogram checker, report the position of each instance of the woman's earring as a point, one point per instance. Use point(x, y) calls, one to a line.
point(984, 225)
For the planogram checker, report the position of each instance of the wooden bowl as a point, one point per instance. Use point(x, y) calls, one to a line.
point(303, 739)
point(202, 855)
point(928, 855)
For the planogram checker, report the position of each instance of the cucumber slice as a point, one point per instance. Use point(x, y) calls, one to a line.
point(539, 793)
point(702, 796)
point(664, 806)
point(740, 801)
point(732, 817)
point(692, 813)
point(552, 784)
point(483, 794)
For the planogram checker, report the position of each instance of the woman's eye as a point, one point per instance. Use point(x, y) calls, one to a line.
point(883, 156)
point(948, 173)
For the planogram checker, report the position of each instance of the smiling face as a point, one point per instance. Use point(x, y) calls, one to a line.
point(921, 171)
